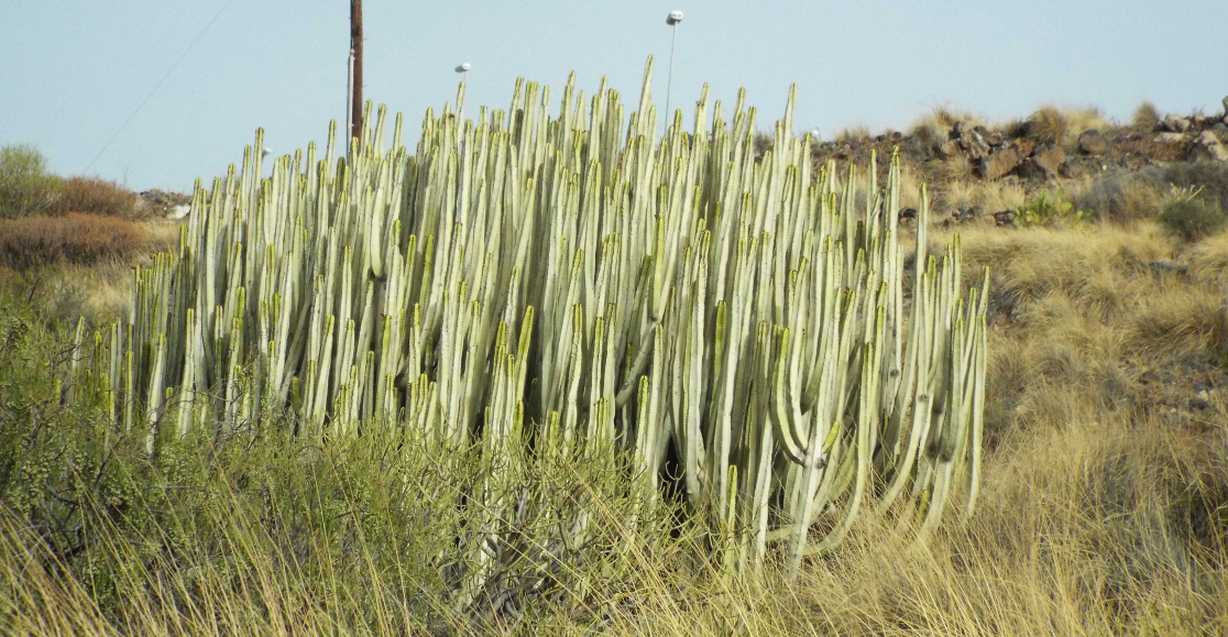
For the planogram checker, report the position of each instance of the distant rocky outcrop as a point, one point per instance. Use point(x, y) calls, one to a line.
point(1041, 148)
point(164, 203)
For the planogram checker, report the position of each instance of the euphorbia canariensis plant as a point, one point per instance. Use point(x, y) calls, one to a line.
point(734, 323)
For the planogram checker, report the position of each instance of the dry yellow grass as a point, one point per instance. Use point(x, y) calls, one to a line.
point(99, 291)
point(1062, 126)
point(1103, 510)
point(1209, 258)
point(935, 125)
point(1145, 117)
point(989, 196)
point(853, 135)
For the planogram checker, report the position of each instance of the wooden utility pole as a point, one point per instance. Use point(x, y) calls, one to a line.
point(356, 106)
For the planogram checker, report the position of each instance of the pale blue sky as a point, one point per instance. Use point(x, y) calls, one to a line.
point(74, 70)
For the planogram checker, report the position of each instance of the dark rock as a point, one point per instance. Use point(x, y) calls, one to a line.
point(970, 140)
point(1026, 146)
point(1199, 122)
point(1199, 404)
point(992, 138)
point(964, 215)
point(907, 215)
point(945, 149)
point(1003, 161)
point(1004, 217)
point(1044, 163)
point(975, 146)
point(1092, 142)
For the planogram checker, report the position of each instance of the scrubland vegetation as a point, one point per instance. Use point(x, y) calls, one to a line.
point(1103, 504)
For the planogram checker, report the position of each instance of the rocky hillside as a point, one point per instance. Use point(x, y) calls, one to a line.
point(1050, 149)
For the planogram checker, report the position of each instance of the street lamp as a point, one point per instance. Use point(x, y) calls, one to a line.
point(673, 20)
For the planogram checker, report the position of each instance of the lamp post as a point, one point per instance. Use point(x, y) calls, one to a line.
point(673, 19)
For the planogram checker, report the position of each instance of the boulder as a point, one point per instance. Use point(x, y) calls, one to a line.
point(1169, 138)
point(1044, 163)
point(1208, 147)
point(1176, 124)
point(1092, 142)
point(990, 137)
point(1001, 162)
point(162, 203)
point(1004, 217)
point(1076, 167)
point(971, 141)
point(964, 215)
point(1199, 122)
point(945, 149)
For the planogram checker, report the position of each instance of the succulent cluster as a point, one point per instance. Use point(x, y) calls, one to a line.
point(736, 328)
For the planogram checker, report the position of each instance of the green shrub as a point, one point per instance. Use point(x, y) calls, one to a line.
point(1047, 208)
point(25, 186)
point(381, 520)
point(1193, 218)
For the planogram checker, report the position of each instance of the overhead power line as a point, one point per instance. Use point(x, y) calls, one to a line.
point(158, 85)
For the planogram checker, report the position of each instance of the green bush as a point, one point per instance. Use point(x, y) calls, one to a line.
point(1047, 208)
point(25, 186)
point(372, 529)
point(1194, 218)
